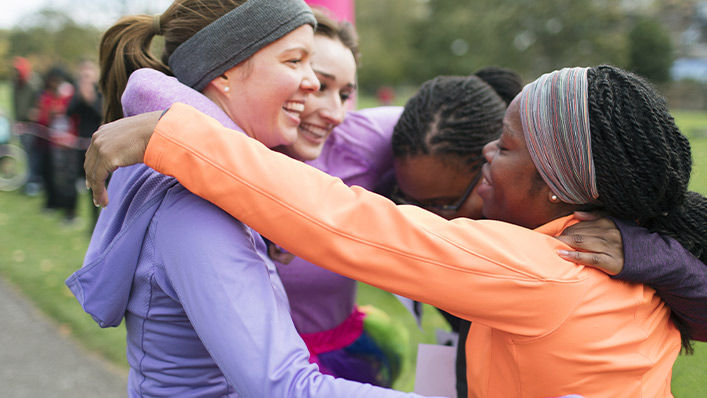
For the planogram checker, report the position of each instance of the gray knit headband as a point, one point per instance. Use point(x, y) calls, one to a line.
point(234, 37)
point(554, 111)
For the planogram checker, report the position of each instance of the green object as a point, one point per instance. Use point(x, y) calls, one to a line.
point(391, 336)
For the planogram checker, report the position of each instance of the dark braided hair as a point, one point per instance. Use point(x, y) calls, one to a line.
point(505, 82)
point(449, 115)
point(643, 162)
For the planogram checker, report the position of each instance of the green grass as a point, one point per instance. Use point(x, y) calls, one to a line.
point(38, 253)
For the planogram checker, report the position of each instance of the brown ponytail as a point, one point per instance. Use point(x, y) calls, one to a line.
point(125, 47)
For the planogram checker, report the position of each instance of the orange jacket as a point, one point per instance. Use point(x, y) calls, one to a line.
point(541, 326)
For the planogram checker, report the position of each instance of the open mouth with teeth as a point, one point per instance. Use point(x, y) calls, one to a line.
point(313, 132)
point(293, 107)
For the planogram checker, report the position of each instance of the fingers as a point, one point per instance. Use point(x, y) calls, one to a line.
point(601, 261)
point(597, 243)
point(100, 195)
point(278, 254)
point(596, 231)
point(584, 242)
point(97, 168)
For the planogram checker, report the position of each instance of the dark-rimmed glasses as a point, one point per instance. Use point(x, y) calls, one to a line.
point(399, 197)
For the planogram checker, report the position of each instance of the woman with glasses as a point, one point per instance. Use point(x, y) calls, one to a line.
point(437, 147)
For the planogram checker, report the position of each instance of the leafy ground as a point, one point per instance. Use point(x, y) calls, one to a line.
point(37, 252)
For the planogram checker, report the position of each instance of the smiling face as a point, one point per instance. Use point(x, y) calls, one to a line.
point(429, 181)
point(511, 189)
point(335, 67)
point(265, 95)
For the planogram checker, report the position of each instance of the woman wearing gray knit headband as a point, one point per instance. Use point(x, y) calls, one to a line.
point(574, 139)
point(205, 311)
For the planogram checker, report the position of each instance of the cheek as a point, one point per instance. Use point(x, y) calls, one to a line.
point(273, 89)
point(311, 105)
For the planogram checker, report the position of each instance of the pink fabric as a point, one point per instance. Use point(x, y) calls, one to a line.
point(24, 68)
point(340, 9)
point(334, 339)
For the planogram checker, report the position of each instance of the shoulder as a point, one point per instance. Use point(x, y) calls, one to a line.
point(185, 221)
point(358, 126)
point(369, 130)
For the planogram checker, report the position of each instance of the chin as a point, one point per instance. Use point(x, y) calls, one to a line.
point(309, 153)
point(303, 152)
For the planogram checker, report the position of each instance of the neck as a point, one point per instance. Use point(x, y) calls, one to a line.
point(217, 98)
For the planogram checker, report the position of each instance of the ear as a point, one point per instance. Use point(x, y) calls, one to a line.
point(220, 85)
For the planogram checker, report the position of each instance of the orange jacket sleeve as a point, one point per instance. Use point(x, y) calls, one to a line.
point(504, 276)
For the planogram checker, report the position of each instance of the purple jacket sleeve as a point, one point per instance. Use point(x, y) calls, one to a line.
point(678, 277)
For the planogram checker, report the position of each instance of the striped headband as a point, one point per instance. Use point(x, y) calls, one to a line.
point(234, 37)
point(555, 116)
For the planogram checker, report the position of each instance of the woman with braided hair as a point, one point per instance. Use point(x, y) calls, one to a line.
point(540, 326)
point(437, 143)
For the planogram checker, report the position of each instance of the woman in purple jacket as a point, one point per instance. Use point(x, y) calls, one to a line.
point(322, 303)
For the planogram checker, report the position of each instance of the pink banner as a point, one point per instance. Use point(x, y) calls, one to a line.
point(340, 9)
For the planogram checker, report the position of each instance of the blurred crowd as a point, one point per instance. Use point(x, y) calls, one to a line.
point(55, 114)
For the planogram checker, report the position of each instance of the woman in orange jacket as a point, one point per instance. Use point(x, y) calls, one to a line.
point(579, 138)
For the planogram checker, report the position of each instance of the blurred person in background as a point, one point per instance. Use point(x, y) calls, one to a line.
point(59, 164)
point(85, 111)
point(25, 92)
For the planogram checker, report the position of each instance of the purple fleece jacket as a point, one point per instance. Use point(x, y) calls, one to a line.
point(206, 313)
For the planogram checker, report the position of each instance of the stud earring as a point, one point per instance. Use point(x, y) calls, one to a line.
point(553, 198)
point(226, 89)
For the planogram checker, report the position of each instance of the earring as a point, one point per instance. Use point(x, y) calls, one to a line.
point(553, 198)
point(226, 89)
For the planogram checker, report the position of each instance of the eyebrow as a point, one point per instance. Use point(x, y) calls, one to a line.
point(331, 77)
point(296, 49)
point(325, 74)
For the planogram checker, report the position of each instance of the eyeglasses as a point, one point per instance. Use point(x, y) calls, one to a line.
point(399, 197)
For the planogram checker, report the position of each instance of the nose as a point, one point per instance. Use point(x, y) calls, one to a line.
point(490, 150)
point(333, 110)
point(309, 83)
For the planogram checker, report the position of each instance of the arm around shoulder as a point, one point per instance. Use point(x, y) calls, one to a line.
point(678, 277)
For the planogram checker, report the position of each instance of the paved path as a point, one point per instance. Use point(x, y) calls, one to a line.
point(35, 361)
